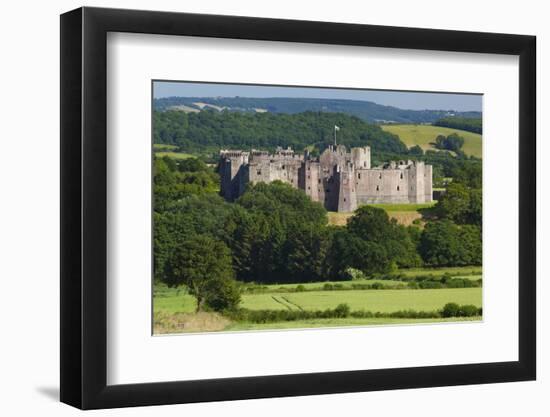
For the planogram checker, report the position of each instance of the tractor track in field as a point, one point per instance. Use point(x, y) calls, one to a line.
point(292, 304)
point(288, 307)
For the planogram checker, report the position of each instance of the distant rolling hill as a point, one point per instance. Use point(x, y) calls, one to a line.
point(365, 110)
point(424, 135)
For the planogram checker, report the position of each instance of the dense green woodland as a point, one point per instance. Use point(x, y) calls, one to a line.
point(210, 131)
point(365, 110)
point(463, 123)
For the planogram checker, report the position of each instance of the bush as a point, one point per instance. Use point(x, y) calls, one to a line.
point(342, 310)
point(328, 287)
point(454, 310)
point(469, 311)
point(450, 310)
point(354, 274)
point(300, 288)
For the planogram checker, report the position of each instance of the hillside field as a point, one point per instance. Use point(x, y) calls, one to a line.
point(424, 135)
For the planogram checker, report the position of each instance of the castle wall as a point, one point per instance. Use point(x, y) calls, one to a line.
point(339, 180)
point(376, 186)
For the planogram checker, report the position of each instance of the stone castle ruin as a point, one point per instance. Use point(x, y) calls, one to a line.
point(338, 179)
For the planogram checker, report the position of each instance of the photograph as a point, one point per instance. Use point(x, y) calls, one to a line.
point(299, 207)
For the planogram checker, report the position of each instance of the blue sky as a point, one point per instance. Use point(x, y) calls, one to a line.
point(400, 99)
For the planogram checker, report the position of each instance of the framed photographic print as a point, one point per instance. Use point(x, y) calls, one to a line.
point(257, 208)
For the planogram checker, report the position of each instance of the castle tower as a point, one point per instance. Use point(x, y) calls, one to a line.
point(417, 193)
point(231, 169)
point(428, 190)
point(347, 196)
point(361, 157)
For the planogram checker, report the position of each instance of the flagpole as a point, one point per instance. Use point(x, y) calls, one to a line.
point(335, 136)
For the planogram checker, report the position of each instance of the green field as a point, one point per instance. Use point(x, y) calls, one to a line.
point(170, 151)
point(424, 135)
point(385, 301)
point(174, 155)
point(172, 301)
point(159, 147)
point(403, 207)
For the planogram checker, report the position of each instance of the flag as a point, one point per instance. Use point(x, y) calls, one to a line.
point(336, 127)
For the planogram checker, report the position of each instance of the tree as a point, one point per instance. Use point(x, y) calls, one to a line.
point(455, 203)
point(444, 243)
point(416, 150)
point(203, 264)
point(388, 244)
point(453, 142)
point(461, 204)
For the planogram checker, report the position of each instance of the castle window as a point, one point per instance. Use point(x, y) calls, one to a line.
point(398, 188)
point(401, 176)
point(283, 167)
point(259, 172)
point(309, 177)
point(344, 199)
point(365, 164)
point(377, 188)
point(319, 181)
point(359, 175)
point(309, 188)
point(380, 176)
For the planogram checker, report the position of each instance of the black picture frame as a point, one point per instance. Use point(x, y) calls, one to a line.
point(84, 207)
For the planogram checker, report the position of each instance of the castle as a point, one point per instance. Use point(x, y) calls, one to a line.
point(338, 179)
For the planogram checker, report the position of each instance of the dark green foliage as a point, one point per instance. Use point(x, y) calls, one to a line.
point(203, 265)
point(416, 150)
point(462, 123)
point(450, 310)
point(212, 131)
point(342, 310)
point(461, 204)
point(388, 241)
point(280, 236)
point(172, 182)
point(453, 142)
point(444, 243)
point(454, 310)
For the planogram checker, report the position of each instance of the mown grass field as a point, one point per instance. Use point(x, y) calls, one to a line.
point(424, 135)
point(385, 301)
